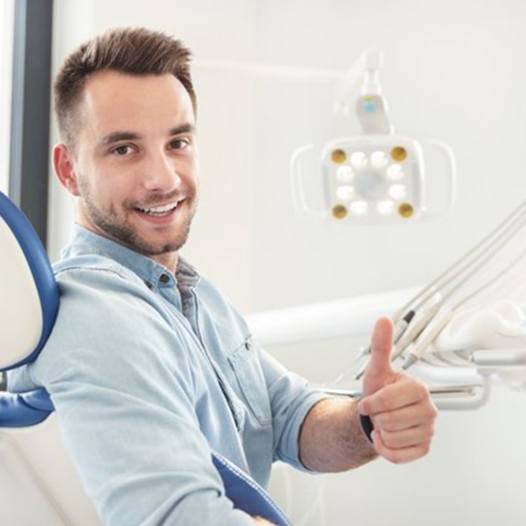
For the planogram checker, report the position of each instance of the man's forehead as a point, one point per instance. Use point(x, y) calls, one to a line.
point(122, 100)
point(109, 81)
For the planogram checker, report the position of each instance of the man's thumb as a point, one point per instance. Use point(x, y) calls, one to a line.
point(379, 368)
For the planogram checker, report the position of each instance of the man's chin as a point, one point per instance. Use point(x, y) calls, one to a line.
point(159, 251)
point(145, 241)
point(131, 240)
point(147, 248)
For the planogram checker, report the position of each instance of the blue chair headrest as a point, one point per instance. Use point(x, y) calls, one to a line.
point(28, 290)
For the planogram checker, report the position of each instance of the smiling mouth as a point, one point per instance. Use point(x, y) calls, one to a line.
point(160, 211)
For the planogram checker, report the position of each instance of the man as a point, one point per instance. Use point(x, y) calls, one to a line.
point(149, 367)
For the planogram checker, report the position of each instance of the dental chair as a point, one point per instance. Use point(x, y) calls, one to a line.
point(29, 306)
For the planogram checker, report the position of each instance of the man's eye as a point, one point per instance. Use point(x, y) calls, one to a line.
point(122, 150)
point(179, 144)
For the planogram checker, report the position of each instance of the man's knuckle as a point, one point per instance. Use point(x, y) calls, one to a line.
point(386, 421)
point(388, 438)
point(380, 401)
point(431, 412)
point(377, 421)
point(424, 391)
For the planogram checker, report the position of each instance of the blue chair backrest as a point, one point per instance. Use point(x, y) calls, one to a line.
point(28, 309)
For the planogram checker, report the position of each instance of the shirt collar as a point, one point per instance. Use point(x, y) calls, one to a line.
point(85, 241)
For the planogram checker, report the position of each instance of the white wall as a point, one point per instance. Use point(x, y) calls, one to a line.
point(72, 24)
point(6, 65)
point(453, 71)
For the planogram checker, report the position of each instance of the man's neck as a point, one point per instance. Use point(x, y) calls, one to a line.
point(168, 260)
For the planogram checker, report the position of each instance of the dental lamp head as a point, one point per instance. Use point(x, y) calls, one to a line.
point(378, 177)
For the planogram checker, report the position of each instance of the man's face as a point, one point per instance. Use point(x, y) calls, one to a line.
point(135, 160)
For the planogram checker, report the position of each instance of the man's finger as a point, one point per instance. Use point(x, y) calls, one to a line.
point(405, 418)
point(379, 370)
point(399, 456)
point(394, 396)
point(411, 437)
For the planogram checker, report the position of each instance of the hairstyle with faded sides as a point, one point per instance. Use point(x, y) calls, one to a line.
point(136, 51)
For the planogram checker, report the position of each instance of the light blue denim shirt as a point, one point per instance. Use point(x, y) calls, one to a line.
point(148, 372)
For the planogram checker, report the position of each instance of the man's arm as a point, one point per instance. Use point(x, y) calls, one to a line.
point(332, 439)
point(399, 406)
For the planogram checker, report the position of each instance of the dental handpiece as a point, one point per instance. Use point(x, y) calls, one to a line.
point(427, 336)
point(416, 328)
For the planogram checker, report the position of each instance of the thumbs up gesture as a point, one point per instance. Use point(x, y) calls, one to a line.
point(399, 406)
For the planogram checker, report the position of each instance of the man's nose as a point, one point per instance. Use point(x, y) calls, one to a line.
point(161, 174)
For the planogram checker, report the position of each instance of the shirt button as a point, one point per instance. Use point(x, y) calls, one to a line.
point(164, 278)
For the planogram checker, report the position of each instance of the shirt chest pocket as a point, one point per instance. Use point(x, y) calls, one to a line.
point(249, 378)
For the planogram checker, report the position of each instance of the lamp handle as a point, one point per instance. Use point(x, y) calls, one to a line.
point(447, 152)
point(296, 184)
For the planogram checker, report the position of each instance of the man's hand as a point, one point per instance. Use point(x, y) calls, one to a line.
point(399, 406)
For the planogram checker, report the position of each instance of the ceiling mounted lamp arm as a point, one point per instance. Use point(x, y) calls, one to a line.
point(371, 106)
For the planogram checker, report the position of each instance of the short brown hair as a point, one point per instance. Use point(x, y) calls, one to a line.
point(137, 51)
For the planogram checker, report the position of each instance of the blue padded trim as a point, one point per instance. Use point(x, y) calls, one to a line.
point(26, 409)
point(40, 268)
point(246, 494)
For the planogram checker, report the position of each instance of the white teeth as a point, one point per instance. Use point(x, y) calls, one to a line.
point(160, 209)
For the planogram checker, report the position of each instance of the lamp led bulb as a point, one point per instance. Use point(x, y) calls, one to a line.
point(345, 193)
point(359, 207)
point(395, 172)
point(344, 174)
point(385, 207)
point(358, 160)
point(398, 191)
point(378, 159)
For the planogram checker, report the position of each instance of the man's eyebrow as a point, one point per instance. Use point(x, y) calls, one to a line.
point(183, 128)
point(119, 136)
point(132, 136)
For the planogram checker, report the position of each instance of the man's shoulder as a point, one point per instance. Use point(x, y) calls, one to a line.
point(107, 318)
point(98, 289)
point(87, 267)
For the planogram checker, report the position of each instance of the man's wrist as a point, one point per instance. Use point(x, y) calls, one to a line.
point(360, 440)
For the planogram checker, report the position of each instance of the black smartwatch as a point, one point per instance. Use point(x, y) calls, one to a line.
point(367, 426)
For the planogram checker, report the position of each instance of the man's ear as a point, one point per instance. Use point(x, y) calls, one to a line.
point(65, 168)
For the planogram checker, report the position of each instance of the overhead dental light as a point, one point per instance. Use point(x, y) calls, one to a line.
point(378, 177)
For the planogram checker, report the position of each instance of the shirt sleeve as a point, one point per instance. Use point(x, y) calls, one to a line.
point(291, 398)
point(123, 387)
